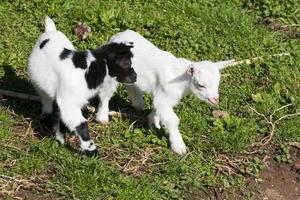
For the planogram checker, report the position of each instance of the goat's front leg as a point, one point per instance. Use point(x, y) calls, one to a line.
point(105, 95)
point(60, 132)
point(72, 117)
point(103, 109)
point(170, 120)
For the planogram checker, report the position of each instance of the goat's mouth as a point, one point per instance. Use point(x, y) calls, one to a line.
point(128, 80)
point(211, 102)
point(128, 83)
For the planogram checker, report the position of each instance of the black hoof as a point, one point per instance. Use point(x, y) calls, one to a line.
point(94, 153)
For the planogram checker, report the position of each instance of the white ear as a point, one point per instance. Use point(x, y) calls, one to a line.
point(191, 70)
point(222, 64)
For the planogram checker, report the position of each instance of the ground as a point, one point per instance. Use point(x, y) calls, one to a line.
point(280, 182)
point(246, 148)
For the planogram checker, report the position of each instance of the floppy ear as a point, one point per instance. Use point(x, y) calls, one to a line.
point(191, 70)
point(222, 64)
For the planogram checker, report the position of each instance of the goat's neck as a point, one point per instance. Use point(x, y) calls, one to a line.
point(182, 79)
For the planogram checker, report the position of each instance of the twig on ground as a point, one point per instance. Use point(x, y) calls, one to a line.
point(222, 168)
point(11, 185)
point(269, 120)
point(231, 166)
point(295, 144)
point(186, 155)
point(290, 25)
point(19, 95)
point(256, 151)
point(137, 162)
point(250, 60)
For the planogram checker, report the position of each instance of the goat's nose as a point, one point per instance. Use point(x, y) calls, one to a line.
point(134, 75)
point(216, 99)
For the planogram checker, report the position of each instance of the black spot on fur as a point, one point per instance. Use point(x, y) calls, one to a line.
point(117, 58)
point(65, 53)
point(46, 124)
point(91, 144)
point(82, 131)
point(79, 59)
point(44, 43)
point(62, 127)
point(96, 73)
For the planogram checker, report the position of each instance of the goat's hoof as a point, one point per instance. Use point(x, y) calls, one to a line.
point(61, 143)
point(179, 148)
point(93, 153)
point(61, 140)
point(102, 120)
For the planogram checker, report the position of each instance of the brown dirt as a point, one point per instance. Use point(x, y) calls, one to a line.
point(278, 181)
point(275, 25)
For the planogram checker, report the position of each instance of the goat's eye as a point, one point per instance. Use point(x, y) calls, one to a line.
point(200, 86)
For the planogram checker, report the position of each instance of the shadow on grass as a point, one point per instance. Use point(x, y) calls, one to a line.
point(24, 108)
point(18, 83)
point(31, 109)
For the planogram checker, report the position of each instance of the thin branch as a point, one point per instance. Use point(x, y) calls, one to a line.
point(15, 179)
point(286, 116)
point(282, 107)
point(19, 95)
point(273, 124)
point(258, 113)
point(250, 60)
point(290, 25)
point(295, 144)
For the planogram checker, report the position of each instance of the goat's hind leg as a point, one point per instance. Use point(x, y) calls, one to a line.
point(47, 112)
point(136, 97)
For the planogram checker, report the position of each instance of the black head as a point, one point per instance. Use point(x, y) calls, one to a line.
point(118, 59)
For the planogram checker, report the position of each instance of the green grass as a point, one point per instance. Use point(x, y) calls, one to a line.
point(135, 161)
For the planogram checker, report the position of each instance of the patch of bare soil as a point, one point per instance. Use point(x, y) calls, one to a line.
point(19, 187)
point(291, 31)
point(278, 181)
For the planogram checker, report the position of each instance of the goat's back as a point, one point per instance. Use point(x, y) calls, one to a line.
point(45, 57)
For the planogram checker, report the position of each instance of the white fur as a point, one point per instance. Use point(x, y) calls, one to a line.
point(87, 145)
point(169, 79)
point(59, 80)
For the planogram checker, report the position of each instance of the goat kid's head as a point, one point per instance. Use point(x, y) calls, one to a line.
point(205, 79)
point(119, 62)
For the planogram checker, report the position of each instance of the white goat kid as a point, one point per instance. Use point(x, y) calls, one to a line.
point(169, 79)
point(69, 77)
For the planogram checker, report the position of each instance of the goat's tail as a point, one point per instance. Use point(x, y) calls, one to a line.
point(49, 24)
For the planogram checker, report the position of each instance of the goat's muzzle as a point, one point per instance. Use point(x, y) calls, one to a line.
point(130, 78)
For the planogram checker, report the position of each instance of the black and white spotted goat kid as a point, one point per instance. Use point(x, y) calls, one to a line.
point(69, 77)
